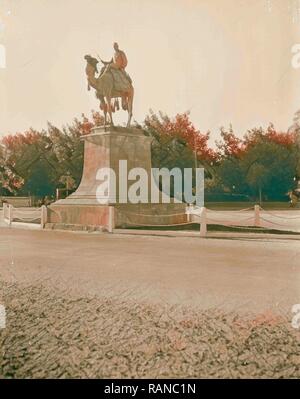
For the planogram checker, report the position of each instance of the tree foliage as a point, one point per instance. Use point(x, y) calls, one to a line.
point(177, 142)
point(33, 162)
point(262, 161)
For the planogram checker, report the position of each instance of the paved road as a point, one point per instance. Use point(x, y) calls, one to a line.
point(235, 274)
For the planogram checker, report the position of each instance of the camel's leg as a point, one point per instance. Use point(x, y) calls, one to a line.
point(105, 117)
point(108, 101)
point(124, 102)
point(130, 106)
point(103, 107)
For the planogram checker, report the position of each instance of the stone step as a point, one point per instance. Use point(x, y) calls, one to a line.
point(74, 227)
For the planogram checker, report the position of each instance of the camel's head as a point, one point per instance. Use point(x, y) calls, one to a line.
point(92, 61)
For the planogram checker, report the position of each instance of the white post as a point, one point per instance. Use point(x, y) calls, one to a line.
point(43, 216)
point(256, 215)
point(188, 212)
point(203, 225)
point(10, 214)
point(4, 211)
point(111, 219)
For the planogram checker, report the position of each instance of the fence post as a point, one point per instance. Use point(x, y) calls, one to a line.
point(4, 211)
point(10, 214)
point(256, 215)
point(188, 213)
point(203, 226)
point(43, 216)
point(111, 219)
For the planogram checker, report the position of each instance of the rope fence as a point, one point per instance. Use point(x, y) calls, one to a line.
point(24, 215)
point(277, 216)
point(254, 217)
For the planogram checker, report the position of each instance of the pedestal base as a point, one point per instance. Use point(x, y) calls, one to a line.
point(85, 215)
point(97, 217)
point(104, 148)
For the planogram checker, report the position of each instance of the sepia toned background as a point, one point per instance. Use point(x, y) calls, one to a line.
point(227, 61)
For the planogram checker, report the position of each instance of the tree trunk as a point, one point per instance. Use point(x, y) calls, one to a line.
point(260, 196)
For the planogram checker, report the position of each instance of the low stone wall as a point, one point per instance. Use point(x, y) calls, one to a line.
point(149, 215)
point(16, 201)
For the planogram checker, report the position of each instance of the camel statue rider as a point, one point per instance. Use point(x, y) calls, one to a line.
point(119, 62)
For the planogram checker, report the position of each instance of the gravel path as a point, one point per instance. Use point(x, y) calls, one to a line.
point(49, 334)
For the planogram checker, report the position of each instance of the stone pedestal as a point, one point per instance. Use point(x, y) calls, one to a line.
point(104, 148)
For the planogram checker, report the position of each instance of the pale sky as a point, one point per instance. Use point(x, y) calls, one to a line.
point(224, 60)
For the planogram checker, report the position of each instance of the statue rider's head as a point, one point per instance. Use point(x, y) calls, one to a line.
point(116, 46)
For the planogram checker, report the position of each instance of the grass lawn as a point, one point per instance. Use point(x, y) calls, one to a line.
point(243, 205)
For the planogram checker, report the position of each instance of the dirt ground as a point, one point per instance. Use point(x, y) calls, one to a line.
point(88, 305)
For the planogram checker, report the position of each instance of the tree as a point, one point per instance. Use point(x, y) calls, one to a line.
point(230, 175)
point(177, 143)
point(295, 130)
point(33, 162)
point(67, 146)
point(19, 154)
point(263, 162)
point(272, 157)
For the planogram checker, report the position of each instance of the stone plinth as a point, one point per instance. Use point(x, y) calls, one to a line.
point(104, 148)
